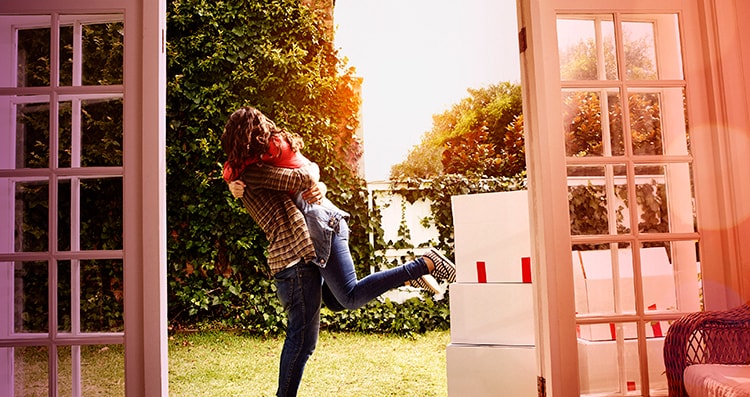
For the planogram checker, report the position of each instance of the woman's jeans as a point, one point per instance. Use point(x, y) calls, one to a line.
point(298, 289)
point(341, 278)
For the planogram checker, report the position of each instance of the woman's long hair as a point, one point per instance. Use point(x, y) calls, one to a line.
point(247, 135)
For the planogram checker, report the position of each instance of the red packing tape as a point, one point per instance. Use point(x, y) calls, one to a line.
point(526, 269)
point(481, 272)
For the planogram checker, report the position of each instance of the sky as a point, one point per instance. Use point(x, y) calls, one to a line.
point(417, 58)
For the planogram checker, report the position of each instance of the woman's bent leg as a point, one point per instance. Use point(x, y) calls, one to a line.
point(341, 278)
point(298, 289)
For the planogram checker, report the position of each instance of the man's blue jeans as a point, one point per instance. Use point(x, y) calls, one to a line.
point(298, 288)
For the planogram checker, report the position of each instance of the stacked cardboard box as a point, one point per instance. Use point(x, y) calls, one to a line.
point(492, 318)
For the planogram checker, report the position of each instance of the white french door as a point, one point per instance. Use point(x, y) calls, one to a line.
point(73, 111)
point(611, 98)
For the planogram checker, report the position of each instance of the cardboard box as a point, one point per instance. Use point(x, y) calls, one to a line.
point(594, 288)
point(598, 366)
point(492, 314)
point(492, 239)
point(490, 371)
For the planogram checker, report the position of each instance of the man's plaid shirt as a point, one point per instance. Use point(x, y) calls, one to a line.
point(268, 201)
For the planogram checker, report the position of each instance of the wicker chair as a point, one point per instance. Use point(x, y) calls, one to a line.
point(711, 337)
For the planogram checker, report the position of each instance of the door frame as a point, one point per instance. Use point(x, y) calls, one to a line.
point(719, 153)
point(144, 181)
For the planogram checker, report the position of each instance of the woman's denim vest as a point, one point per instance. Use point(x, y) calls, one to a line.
point(322, 221)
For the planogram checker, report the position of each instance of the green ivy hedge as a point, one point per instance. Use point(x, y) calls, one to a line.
point(412, 316)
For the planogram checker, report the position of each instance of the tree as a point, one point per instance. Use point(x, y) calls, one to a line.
point(470, 154)
point(471, 137)
point(421, 163)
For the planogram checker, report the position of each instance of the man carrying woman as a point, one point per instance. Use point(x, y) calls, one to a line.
point(299, 263)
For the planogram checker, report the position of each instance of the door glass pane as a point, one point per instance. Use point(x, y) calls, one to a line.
point(657, 277)
point(592, 123)
point(681, 190)
point(597, 291)
point(33, 57)
point(97, 141)
point(98, 203)
point(66, 55)
point(582, 124)
point(597, 197)
point(103, 370)
point(32, 135)
point(645, 123)
point(100, 285)
point(675, 133)
point(63, 215)
point(32, 219)
point(102, 53)
point(640, 54)
point(611, 367)
point(65, 363)
point(658, 122)
point(30, 295)
point(65, 135)
point(648, 135)
point(586, 48)
point(587, 201)
point(101, 296)
point(651, 196)
point(64, 303)
point(651, 43)
point(30, 371)
point(101, 132)
point(101, 214)
point(685, 259)
point(657, 375)
point(615, 122)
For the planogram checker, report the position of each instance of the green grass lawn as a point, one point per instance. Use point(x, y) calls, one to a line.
point(343, 365)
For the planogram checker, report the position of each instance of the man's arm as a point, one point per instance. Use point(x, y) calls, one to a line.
point(283, 179)
point(273, 175)
point(313, 195)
